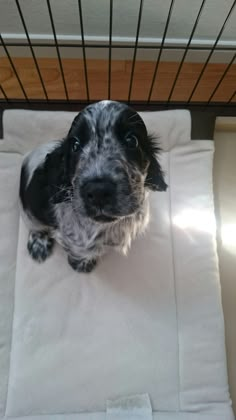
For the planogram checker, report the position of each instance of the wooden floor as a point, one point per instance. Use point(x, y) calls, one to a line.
point(120, 80)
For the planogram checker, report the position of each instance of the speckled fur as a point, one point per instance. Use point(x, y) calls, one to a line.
point(102, 155)
point(82, 237)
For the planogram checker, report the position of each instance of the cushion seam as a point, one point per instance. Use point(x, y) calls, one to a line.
point(173, 260)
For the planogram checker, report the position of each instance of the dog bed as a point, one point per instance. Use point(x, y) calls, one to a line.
point(141, 337)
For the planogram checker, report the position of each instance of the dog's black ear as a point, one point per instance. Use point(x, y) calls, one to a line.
point(56, 171)
point(155, 178)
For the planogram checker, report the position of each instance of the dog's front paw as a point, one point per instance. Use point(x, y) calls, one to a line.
point(40, 245)
point(82, 265)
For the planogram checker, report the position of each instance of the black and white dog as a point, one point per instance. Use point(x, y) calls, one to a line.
point(89, 191)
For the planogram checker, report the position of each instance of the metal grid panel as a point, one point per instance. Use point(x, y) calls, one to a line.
point(84, 46)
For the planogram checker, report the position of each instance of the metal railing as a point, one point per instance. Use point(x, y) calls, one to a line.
point(147, 103)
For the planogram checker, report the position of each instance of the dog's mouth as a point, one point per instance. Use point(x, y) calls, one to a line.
point(103, 218)
point(100, 215)
point(103, 215)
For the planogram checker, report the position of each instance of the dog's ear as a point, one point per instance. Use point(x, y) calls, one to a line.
point(155, 178)
point(55, 165)
point(55, 169)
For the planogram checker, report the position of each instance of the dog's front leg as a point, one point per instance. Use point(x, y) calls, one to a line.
point(82, 265)
point(40, 245)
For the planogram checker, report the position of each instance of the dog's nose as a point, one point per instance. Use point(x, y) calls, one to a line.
point(99, 192)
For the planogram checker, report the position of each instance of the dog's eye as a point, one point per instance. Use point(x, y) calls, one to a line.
point(131, 141)
point(76, 144)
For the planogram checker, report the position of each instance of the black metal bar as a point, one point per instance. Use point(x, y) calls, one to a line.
point(125, 46)
point(231, 99)
point(31, 49)
point(219, 108)
point(13, 67)
point(186, 50)
point(212, 51)
point(135, 49)
point(57, 48)
point(83, 48)
point(160, 50)
point(222, 77)
point(110, 49)
point(4, 93)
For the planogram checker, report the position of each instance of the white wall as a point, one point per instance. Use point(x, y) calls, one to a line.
point(125, 13)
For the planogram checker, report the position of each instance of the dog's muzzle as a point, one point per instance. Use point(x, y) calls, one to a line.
point(99, 196)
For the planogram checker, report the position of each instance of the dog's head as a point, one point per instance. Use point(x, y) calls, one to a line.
point(110, 161)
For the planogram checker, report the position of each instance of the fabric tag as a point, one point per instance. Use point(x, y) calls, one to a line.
point(135, 407)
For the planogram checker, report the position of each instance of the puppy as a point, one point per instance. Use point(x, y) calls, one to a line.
point(89, 191)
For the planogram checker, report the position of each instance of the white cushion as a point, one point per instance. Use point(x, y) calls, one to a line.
point(9, 224)
point(149, 323)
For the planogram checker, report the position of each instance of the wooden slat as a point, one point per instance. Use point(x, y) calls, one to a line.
point(120, 79)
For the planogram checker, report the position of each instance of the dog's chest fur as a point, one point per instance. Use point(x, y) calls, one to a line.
point(84, 238)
